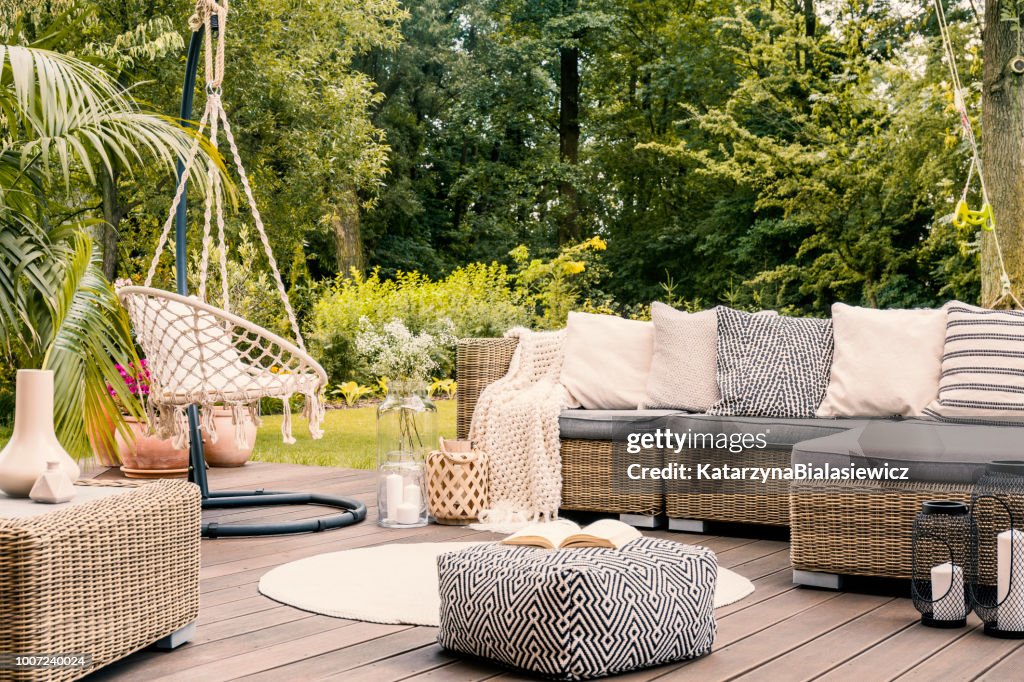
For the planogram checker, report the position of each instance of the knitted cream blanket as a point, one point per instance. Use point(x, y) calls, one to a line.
point(515, 424)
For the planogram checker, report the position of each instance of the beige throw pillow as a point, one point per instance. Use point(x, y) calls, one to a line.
point(607, 360)
point(886, 362)
point(683, 368)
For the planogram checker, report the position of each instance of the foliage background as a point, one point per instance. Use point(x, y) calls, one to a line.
point(415, 159)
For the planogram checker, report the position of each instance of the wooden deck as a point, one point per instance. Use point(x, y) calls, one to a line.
point(779, 633)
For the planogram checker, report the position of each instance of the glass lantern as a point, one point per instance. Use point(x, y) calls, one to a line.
point(997, 586)
point(406, 430)
point(943, 532)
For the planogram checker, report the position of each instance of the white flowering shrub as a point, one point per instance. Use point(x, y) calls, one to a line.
point(391, 350)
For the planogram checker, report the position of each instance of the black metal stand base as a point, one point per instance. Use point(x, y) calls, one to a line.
point(353, 511)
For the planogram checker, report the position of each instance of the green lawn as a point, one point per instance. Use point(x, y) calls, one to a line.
point(350, 438)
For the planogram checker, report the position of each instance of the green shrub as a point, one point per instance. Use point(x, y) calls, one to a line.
point(352, 392)
point(477, 298)
point(7, 375)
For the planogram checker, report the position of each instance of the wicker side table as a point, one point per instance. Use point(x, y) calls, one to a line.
point(103, 578)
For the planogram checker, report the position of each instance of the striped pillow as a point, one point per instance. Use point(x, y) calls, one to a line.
point(982, 366)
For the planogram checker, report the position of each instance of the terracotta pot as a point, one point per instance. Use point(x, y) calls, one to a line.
point(148, 453)
point(225, 453)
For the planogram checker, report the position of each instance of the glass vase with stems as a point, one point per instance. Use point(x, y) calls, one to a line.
point(406, 429)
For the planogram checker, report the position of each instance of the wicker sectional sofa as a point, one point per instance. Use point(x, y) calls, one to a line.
point(838, 528)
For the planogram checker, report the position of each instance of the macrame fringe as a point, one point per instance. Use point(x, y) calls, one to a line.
point(286, 420)
point(208, 423)
point(313, 411)
point(503, 517)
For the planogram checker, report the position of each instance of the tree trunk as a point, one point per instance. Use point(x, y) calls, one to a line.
point(810, 27)
point(569, 141)
point(113, 212)
point(348, 239)
point(1002, 123)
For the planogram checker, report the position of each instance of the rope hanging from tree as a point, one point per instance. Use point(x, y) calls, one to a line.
point(199, 354)
point(963, 215)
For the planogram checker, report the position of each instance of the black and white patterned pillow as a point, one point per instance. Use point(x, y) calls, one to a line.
point(771, 366)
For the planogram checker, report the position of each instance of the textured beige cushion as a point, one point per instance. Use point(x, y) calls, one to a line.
point(607, 360)
point(886, 362)
point(683, 368)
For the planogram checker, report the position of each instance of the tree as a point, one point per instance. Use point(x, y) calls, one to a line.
point(1002, 123)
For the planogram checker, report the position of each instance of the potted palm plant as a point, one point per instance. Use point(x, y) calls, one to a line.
point(66, 122)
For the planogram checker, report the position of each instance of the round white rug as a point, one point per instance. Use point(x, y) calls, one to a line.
point(395, 584)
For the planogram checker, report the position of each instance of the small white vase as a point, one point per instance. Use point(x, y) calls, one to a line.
point(53, 487)
point(33, 442)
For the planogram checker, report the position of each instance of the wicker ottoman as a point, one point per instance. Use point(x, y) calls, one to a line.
point(576, 614)
point(99, 578)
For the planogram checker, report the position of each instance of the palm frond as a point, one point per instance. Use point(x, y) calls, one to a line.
point(67, 112)
point(90, 336)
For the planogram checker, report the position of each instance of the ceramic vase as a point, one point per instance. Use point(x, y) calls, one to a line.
point(34, 442)
point(53, 487)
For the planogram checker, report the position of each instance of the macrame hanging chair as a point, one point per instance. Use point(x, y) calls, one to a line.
point(201, 356)
point(206, 356)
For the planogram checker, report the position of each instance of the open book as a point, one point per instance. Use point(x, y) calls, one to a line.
point(561, 534)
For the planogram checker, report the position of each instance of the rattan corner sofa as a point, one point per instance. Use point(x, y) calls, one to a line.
point(837, 528)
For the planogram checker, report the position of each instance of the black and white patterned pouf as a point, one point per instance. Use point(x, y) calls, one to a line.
point(574, 614)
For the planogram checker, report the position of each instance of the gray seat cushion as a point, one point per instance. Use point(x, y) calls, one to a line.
point(931, 451)
point(778, 432)
point(609, 424)
point(617, 424)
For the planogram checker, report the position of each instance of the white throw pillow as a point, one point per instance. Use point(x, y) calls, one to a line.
point(684, 364)
point(607, 360)
point(886, 362)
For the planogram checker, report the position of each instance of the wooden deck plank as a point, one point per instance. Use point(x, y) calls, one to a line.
point(820, 655)
point(746, 653)
point(964, 659)
point(1008, 668)
point(398, 667)
point(781, 632)
point(246, 660)
point(351, 657)
point(901, 652)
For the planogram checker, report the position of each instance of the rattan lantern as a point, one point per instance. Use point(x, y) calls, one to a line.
point(997, 583)
point(943, 533)
point(456, 483)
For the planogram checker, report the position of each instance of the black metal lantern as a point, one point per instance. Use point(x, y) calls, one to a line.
point(996, 585)
point(942, 541)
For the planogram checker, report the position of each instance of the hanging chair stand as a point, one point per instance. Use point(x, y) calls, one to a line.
point(353, 511)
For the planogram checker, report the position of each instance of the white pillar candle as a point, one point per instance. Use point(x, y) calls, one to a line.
point(1010, 586)
point(392, 494)
point(407, 514)
point(412, 495)
point(948, 592)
